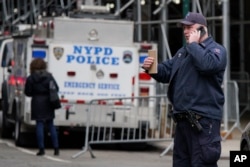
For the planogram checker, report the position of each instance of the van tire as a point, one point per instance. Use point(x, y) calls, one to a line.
point(7, 127)
point(18, 135)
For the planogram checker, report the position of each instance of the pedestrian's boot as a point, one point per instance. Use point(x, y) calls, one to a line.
point(40, 152)
point(56, 151)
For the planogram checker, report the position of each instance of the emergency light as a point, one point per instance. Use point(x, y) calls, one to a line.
point(102, 102)
point(39, 48)
point(144, 76)
point(146, 46)
point(71, 73)
point(113, 75)
point(39, 41)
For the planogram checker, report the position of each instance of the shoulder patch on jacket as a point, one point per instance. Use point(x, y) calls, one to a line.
point(217, 50)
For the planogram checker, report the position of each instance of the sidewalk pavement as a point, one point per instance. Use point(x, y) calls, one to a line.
point(232, 143)
point(229, 145)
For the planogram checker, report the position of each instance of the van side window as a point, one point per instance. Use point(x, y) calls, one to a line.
point(7, 54)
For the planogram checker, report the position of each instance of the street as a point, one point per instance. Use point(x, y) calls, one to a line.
point(106, 156)
point(12, 156)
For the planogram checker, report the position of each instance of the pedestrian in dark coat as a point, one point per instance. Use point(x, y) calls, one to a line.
point(37, 87)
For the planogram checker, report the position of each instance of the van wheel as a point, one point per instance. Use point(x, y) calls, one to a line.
point(17, 132)
point(18, 135)
point(6, 131)
point(7, 127)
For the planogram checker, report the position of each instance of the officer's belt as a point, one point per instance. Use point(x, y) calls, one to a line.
point(183, 116)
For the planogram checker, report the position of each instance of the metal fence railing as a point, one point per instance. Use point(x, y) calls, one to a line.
point(243, 82)
point(233, 113)
point(127, 120)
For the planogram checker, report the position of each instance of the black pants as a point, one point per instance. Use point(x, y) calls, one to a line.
point(197, 149)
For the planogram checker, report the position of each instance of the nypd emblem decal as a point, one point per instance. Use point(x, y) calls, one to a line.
point(58, 52)
point(127, 57)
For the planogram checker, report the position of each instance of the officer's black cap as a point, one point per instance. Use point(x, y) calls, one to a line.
point(194, 18)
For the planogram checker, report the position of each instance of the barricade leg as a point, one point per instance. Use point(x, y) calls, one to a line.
point(170, 147)
point(90, 151)
point(85, 149)
point(80, 153)
point(231, 130)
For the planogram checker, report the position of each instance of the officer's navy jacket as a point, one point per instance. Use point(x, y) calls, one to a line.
point(195, 77)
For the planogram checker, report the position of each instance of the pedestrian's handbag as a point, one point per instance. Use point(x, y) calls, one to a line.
point(54, 98)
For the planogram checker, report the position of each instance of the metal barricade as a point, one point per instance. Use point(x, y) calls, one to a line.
point(233, 114)
point(243, 81)
point(128, 120)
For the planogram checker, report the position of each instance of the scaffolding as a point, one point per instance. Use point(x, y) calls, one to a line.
point(29, 11)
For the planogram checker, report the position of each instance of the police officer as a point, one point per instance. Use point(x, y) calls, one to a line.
point(195, 76)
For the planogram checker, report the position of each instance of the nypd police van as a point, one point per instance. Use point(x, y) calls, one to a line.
point(89, 58)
